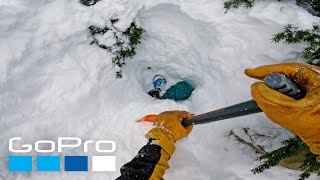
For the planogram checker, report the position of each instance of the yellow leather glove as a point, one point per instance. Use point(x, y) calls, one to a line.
point(168, 123)
point(168, 130)
point(302, 117)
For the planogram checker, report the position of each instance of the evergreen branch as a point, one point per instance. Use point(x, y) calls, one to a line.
point(314, 4)
point(292, 35)
point(237, 3)
point(310, 164)
point(122, 50)
point(292, 147)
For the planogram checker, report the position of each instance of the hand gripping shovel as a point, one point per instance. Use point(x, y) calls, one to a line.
point(275, 81)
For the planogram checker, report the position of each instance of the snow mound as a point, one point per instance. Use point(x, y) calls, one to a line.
point(107, 39)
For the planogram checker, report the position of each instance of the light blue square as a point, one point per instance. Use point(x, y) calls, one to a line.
point(20, 163)
point(48, 163)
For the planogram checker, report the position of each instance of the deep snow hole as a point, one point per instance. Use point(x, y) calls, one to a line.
point(170, 48)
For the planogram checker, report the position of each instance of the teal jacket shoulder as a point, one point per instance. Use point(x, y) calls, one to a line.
point(180, 91)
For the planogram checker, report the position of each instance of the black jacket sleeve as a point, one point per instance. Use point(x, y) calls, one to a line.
point(143, 165)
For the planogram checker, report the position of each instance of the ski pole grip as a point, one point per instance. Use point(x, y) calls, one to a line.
point(281, 83)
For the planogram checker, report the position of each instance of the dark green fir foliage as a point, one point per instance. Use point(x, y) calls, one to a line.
point(292, 35)
point(291, 148)
point(312, 5)
point(134, 35)
point(237, 3)
point(126, 42)
point(89, 2)
point(310, 164)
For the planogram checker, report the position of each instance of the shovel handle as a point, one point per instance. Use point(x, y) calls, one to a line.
point(275, 81)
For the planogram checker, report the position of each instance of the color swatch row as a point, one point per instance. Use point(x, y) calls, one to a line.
point(52, 163)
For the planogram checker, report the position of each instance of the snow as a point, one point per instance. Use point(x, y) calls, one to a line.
point(108, 39)
point(53, 83)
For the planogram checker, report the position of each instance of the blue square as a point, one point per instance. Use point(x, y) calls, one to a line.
point(20, 163)
point(76, 163)
point(48, 163)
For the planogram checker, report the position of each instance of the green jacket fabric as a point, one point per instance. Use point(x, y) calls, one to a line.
point(180, 91)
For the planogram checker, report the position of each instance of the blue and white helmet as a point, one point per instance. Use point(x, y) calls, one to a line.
point(159, 81)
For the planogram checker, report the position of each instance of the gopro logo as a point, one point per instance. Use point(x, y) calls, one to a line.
point(63, 142)
point(52, 163)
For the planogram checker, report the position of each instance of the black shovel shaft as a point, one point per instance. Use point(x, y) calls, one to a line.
point(275, 81)
point(241, 109)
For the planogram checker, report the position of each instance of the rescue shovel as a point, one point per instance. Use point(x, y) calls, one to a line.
point(275, 81)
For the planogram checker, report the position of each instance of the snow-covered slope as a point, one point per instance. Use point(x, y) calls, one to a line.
point(53, 83)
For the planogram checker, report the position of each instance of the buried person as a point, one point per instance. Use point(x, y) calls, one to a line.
point(178, 92)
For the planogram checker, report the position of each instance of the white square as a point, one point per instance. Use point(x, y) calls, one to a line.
point(103, 163)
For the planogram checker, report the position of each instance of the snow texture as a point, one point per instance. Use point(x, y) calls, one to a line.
point(53, 83)
point(108, 39)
